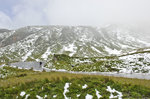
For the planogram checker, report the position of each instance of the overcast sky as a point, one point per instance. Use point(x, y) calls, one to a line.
point(18, 13)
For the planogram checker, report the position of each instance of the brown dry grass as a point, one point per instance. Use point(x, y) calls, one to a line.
point(34, 76)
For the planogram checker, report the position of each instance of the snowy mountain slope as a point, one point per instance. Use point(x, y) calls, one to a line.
point(4, 30)
point(133, 62)
point(41, 42)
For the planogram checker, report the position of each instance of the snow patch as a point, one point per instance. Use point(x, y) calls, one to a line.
point(24, 58)
point(39, 97)
point(78, 95)
point(54, 96)
point(71, 48)
point(22, 93)
point(83, 61)
point(46, 54)
point(119, 96)
point(27, 96)
point(110, 51)
point(95, 49)
point(66, 90)
point(88, 96)
point(85, 86)
point(60, 70)
point(97, 94)
point(45, 96)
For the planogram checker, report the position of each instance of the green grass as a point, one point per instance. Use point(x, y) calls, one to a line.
point(99, 64)
point(52, 83)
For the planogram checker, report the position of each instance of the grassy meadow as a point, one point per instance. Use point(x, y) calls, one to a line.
point(50, 85)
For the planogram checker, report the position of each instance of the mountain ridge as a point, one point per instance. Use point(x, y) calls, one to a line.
point(41, 42)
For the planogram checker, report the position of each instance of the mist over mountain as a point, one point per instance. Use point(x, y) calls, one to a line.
point(42, 42)
point(86, 49)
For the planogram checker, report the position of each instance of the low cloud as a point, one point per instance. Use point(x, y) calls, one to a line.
point(76, 12)
point(5, 21)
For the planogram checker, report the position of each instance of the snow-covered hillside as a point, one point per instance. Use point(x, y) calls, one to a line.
point(41, 42)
